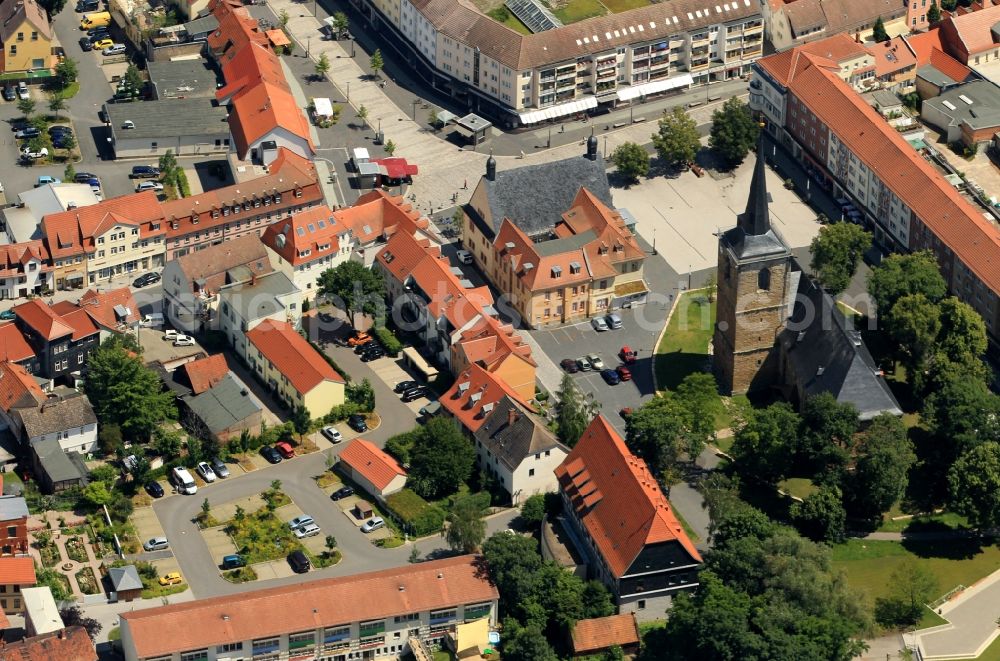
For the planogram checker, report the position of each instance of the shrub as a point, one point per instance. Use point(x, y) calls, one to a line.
point(388, 339)
point(400, 445)
point(342, 412)
point(418, 517)
point(533, 510)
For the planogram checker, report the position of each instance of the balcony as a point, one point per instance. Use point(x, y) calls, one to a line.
point(699, 64)
point(697, 52)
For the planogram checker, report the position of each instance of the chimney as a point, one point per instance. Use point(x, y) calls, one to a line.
point(511, 416)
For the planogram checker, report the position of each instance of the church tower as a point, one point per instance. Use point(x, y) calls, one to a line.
point(753, 283)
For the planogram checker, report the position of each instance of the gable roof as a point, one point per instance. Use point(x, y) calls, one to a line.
point(972, 33)
point(474, 396)
point(15, 257)
point(226, 405)
point(292, 355)
point(56, 415)
point(489, 341)
point(369, 461)
point(111, 309)
point(599, 633)
point(18, 389)
point(17, 570)
point(316, 604)
point(70, 644)
point(204, 373)
point(13, 14)
point(261, 109)
point(77, 319)
point(13, 346)
point(617, 499)
point(209, 268)
point(59, 465)
point(403, 252)
point(513, 434)
point(444, 293)
point(73, 231)
point(13, 508)
point(259, 296)
point(42, 319)
point(377, 213)
point(124, 578)
point(305, 236)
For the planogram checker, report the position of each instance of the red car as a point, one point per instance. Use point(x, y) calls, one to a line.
point(285, 448)
point(624, 374)
point(628, 356)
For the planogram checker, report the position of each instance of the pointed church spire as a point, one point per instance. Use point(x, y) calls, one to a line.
point(755, 220)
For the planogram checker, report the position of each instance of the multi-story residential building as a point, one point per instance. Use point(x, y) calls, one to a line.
point(114, 310)
point(14, 349)
point(196, 222)
point(26, 37)
point(245, 305)
point(68, 418)
point(18, 390)
point(25, 268)
point(13, 526)
point(475, 395)
point(497, 348)
point(191, 282)
point(374, 218)
point(306, 244)
point(15, 573)
point(374, 615)
point(285, 362)
point(70, 644)
point(61, 337)
point(519, 450)
point(970, 38)
point(525, 79)
point(861, 159)
point(623, 525)
point(114, 237)
point(796, 22)
point(22, 221)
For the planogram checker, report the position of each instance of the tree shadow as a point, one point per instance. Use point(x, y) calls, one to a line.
point(948, 549)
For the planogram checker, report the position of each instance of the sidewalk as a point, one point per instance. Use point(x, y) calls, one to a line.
point(972, 623)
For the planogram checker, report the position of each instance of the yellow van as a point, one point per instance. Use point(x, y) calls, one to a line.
point(95, 20)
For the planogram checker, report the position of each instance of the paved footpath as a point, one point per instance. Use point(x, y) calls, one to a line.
point(972, 623)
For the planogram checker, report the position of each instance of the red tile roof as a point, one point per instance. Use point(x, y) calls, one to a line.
point(17, 571)
point(377, 213)
point(101, 306)
point(599, 633)
point(292, 355)
point(42, 319)
point(15, 257)
point(970, 34)
point(312, 605)
point(18, 389)
point(205, 373)
point(261, 109)
point(237, 29)
point(949, 66)
point(617, 499)
point(70, 644)
point(247, 68)
point(447, 297)
point(13, 346)
point(936, 203)
point(403, 252)
point(922, 44)
point(372, 463)
point(891, 56)
point(489, 341)
point(277, 37)
point(206, 269)
point(314, 230)
point(474, 395)
point(74, 232)
point(81, 323)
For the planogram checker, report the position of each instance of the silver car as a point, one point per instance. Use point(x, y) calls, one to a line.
point(156, 544)
point(308, 530)
point(301, 521)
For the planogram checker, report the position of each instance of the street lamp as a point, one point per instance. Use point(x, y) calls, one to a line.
point(348, 90)
point(548, 142)
point(308, 42)
point(415, 103)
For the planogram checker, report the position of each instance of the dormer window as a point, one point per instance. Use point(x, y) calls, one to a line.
point(556, 271)
point(574, 268)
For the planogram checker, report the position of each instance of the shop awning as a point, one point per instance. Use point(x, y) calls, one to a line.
point(561, 110)
point(396, 168)
point(323, 107)
point(277, 37)
point(635, 91)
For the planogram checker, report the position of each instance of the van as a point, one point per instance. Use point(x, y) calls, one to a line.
point(183, 481)
point(95, 20)
point(152, 320)
point(299, 562)
point(464, 256)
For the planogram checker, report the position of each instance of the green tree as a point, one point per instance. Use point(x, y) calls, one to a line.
point(573, 412)
point(26, 107)
point(52, 7)
point(961, 413)
point(901, 274)
point(933, 14)
point(66, 72)
point(239, 514)
point(206, 507)
point(821, 516)
point(362, 393)
point(68, 142)
point(948, 5)
point(884, 458)
point(363, 114)
point(466, 528)
point(376, 62)
point(168, 162)
point(533, 510)
point(166, 442)
point(283, 18)
point(133, 76)
point(322, 65)
point(56, 104)
point(73, 616)
point(761, 448)
point(734, 131)
point(125, 392)
point(353, 288)
point(596, 600)
point(330, 543)
point(109, 439)
point(914, 324)
point(835, 254)
point(676, 140)
point(301, 419)
point(878, 31)
point(963, 332)
point(441, 459)
point(631, 160)
point(97, 493)
point(513, 563)
point(613, 653)
point(911, 587)
point(526, 644)
point(340, 24)
point(656, 432)
point(389, 147)
point(699, 394)
point(974, 485)
point(69, 173)
point(827, 433)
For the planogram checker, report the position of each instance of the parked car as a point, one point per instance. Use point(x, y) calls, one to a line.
point(624, 373)
point(627, 355)
point(599, 324)
point(103, 43)
point(569, 365)
point(151, 320)
point(154, 489)
point(360, 337)
point(286, 450)
point(27, 133)
point(7, 315)
point(403, 386)
point(595, 361)
point(173, 578)
point(614, 321)
point(414, 394)
point(332, 434)
point(27, 153)
point(298, 561)
point(583, 364)
point(205, 471)
point(9, 93)
point(308, 530)
point(83, 177)
point(374, 354)
point(22, 90)
point(144, 172)
point(610, 377)
point(373, 523)
point(99, 31)
point(149, 185)
point(341, 493)
point(366, 346)
point(170, 334)
point(220, 468)
point(183, 341)
point(357, 423)
point(46, 179)
point(233, 562)
point(300, 521)
point(146, 279)
point(156, 544)
point(85, 44)
point(464, 256)
point(95, 183)
point(59, 128)
point(270, 454)
point(114, 49)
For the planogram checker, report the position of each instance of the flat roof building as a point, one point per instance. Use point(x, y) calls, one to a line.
point(182, 79)
point(185, 126)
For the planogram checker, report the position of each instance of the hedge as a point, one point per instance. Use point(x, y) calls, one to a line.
point(388, 340)
point(419, 517)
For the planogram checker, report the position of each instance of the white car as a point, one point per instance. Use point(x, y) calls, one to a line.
point(308, 530)
point(373, 523)
point(116, 49)
point(599, 324)
point(170, 334)
point(595, 362)
point(27, 153)
point(183, 341)
point(22, 90)
point(332, 434)
point(300, 521)
point(149, 185)
point(205, 471)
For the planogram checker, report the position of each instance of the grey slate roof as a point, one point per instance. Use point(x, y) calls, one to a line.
point(825, 355)
point(124, 578)
point(512, 443)
point(201, 25)
point(172, 78)
point(754, 237)
point(257, 299)
point(56, 416)
point(534, 197)
point(57, 464)
point(983, 112)
point(935, 76)
point(12, 507)
point(224, 406)
point(167, 118)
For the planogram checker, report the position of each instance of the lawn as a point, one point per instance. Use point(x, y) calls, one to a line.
point(799, 487)
point(70, 90)
point(618, 6)
point(327, 479)
point(577, 10)
point(505, 17)
point(695, 538)
point(153, 590)
point(923, 523)
point(991, 653)
point(684, 347)
point(261, 536)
